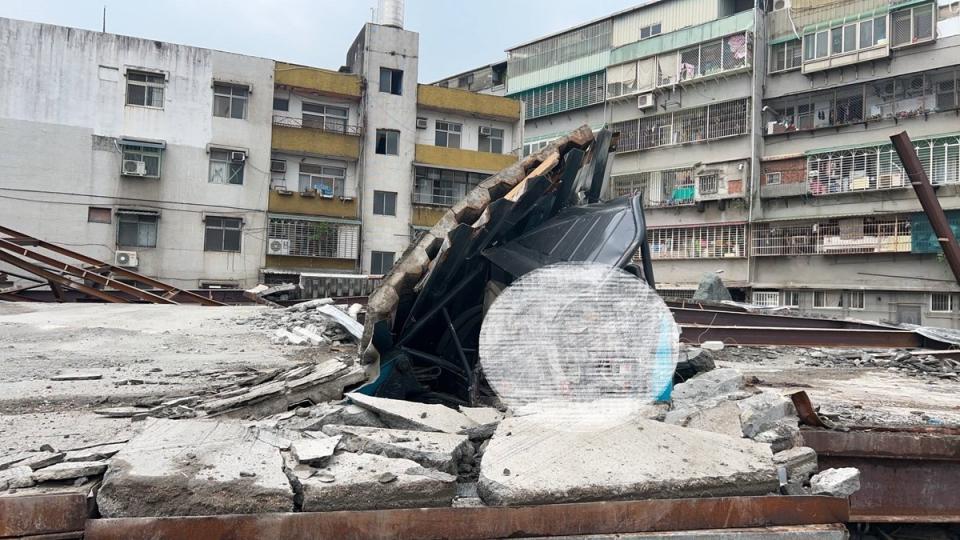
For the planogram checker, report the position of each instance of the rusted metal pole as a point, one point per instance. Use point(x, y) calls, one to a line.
point(928, 200)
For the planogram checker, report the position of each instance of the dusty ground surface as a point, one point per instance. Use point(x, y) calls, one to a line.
point(849, 394)
point(141, 352)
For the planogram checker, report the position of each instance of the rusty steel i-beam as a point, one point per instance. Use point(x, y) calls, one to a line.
point(928, 200)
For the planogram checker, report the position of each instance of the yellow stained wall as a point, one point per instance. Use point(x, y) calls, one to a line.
point(309, 263)
point(463, 101)
point(324, 81)
point(426, 216)
point(311, 206)
point(316, 142)
point(457, 158)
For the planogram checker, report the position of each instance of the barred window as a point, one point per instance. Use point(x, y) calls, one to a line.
point(941, 302)
point(309, 238)
point(713, 57)
point(846, 236)
point(701, 242)
point(685, 126)
point(560, 49)
point(442, 187)
point(912, 25)
point(785, 56)
point(766, 298)
point(564, 96)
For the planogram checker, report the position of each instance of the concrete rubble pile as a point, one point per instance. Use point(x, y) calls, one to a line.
point(913, 363)
point(314, 322)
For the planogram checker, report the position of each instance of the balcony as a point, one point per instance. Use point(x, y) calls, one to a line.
point(291, 134)
point(291, 202)
point(464, 102)
point(321, 81)
point(846, 236)
point(426, 216)
point(457, 158)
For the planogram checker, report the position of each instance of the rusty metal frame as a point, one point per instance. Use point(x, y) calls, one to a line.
point(607, 517)
point(59, 515)
point(800, 337)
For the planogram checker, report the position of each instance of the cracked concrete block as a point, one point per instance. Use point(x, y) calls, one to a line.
point(194, 467)
point(40, 460)
point(335, 413)
point(836, 482)
point(441, 451)
point(370, 482)
point(526, 463)
point(94, 453)
point(68, 470)
point(314, 451)
point(399, 414)
point(709, 385)
point(763, 411)
point(20, 476)
point(721, 416)
point(783, 435)
point(800, 462)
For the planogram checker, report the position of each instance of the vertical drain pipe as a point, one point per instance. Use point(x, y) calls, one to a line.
point(928, 200)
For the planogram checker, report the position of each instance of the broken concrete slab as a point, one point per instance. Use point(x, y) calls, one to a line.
point(68, 470)
point(77, 376)
point(836, 482)
point(194, 467)
point(482, 415)
point(343, 319)
point(94, 453)
point(371, 482)
point(783, 435)
point(334, 413)
point(709, 385)
point(16, 477)
point(309, 335)
point(10, 460)
point(441, 451)
point(526, 463)
point(763, 411)
point(721, 416)
point(40, 460)
point(310, 304)
point(122, 412)
point(800, 462)
point(314, 452)
point(399, 414)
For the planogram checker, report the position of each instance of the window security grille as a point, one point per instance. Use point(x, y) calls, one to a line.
point(317, 238)
point(709, 242)
point(851, 236)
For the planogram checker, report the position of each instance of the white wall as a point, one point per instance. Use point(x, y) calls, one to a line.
point(62, 104)
point(470, 134)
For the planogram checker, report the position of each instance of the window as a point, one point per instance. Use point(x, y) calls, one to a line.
point(281, 104)
point(828, 299)
point(773, 178)
point(684, 126)
point(649, 31)
point(145, 89)
point(912, 25)
point(844, 236)
point(309, 238)
point(148, 153)
point(226, 167)
point(222, 234)
point(327, 181)
point(325, 117)
point(448, 134)
point(708, 184)
point(766, 298)
point(381, 262)
point(563, 96)
point(941, 302)
point(560, 49)
point(784, 56)
point(98, 215)
point(385, 203)
point(465, 81)
point(791, 298)
point(855, 299)
point(492, 141)
point(391, 81)
point(700, 242)
point(136, 229)
point(442, 187)
point(388, 142)
point(230, 100)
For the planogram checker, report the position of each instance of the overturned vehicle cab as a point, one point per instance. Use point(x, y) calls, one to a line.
point(423, 323)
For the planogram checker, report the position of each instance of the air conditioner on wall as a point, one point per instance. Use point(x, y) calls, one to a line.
point(421, 123)
point(126, 259)
point(238, 156)
point(278, 165)
point(278, 246)
point(134, 168)
point(485, 130)
point(644, 101)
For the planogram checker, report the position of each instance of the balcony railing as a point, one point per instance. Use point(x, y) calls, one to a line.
point(328, 125)
point(848, 236)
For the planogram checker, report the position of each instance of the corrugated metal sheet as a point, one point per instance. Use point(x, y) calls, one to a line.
point(671, 16)
point(683, 38)
point(567, 70)
point(809, 12)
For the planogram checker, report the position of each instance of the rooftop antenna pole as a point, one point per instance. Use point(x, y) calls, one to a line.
point(104, 19)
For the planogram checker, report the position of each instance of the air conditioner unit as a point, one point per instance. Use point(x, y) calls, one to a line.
point(278, 246)
point(126, 259)
point(278, 165)
point(644, 101)
point(421, 123)
point(486, 130)
point(238, 156)
point(134, 168)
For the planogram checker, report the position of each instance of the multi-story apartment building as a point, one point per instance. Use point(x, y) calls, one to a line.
point(759, 137)
point(206, 168)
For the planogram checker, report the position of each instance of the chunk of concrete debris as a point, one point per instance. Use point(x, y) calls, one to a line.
point(720, 416)
point(358, 484)
point(17, 477)
point(314, 452)
point(783, 435)
point(643, 459)
point(708, 385)
point(39, 460)
point(192, 467)
point(94, 453)
point(836, 482)
point(310, 304)
point(68, 470)
point(442, 451)
point(800, 462)
point(713, 346)
point(711, 289)
point(306, 333)
point(763, 411)
point(121, 412)
point(10, 460)
point(77, 376)
point(335, 413)
point(343, 319)
point(283, 336)
point(399, 414)
point(482, 415)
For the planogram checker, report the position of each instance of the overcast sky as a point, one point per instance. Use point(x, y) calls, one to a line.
point(454, 36)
